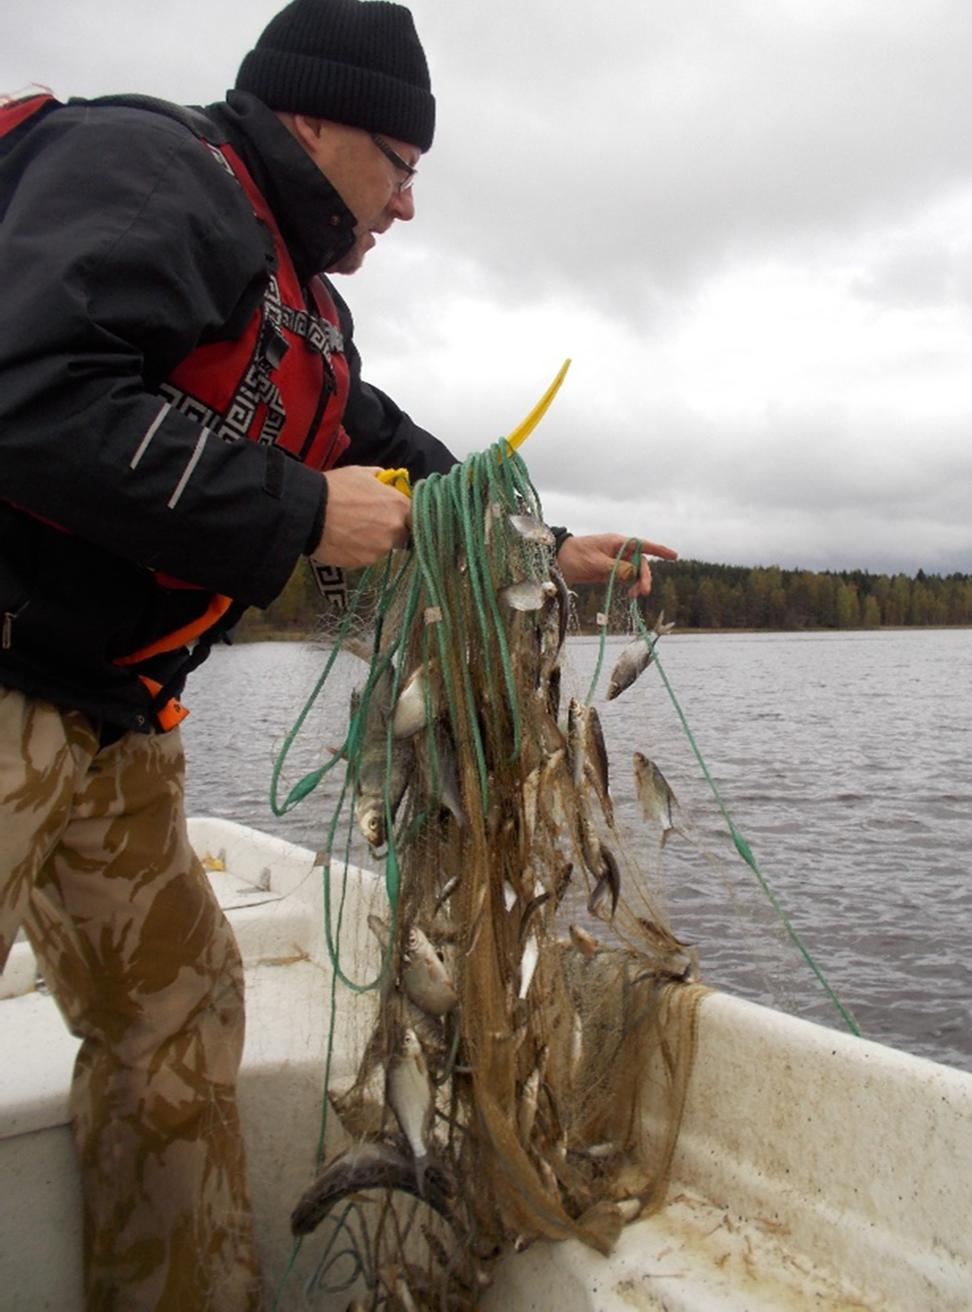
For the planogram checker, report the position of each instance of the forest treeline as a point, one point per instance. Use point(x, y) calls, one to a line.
point(699, 595)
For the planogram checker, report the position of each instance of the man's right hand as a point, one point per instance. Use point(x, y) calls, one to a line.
point(363, 519)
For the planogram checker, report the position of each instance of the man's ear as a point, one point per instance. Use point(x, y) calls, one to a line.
point(308, 130)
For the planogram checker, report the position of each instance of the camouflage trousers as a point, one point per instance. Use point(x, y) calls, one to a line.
point(95, 863)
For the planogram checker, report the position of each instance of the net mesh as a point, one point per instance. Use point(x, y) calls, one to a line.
point(521, 1050)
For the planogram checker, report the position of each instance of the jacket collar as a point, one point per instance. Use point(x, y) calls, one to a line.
point(315, 222)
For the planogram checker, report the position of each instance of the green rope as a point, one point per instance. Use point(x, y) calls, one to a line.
point(606, 612)
point(449, 531)
point(742, 847)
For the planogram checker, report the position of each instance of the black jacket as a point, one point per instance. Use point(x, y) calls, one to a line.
point(124, 245)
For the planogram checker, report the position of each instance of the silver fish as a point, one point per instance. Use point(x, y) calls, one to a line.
point(563, 606)
point(411, 713)
point(447, 772)
point(540, 896)
point(634, 659)
point(447, 890)
point(367, 1165)
point(530, 1096)
point(601, 862)
point(528, 964)
point(531, 529)
point(528, 594)
point(587, 751)
point(373, 779)
point(527, 1109)
point(653, 792)
point(609, 881)
point(425, 979)
point(409, 1093)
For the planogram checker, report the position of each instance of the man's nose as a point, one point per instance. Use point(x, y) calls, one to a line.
point(403, 205)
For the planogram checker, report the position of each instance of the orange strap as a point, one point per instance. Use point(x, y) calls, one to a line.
point(217, 608)
point(173, 712)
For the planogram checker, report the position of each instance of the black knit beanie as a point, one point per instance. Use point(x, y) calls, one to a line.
point(357, 62)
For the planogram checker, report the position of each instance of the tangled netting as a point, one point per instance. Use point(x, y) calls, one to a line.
point(518, 1076)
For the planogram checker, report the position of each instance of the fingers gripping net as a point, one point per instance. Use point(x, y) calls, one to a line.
point(517, 1075)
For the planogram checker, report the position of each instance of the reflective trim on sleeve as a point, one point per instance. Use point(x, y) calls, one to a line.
point(152, 430)
point(187, 473)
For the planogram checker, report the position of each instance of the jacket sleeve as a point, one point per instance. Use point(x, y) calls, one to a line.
point(124, 245)
point(380, 432)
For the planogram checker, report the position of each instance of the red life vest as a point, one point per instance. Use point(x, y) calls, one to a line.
point(283, 381)
point(285, 378)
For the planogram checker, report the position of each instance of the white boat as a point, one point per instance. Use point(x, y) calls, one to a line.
point(813, 1169)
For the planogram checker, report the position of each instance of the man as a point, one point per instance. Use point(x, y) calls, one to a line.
point(181, 417)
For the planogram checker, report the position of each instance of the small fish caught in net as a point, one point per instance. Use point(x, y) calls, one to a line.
point(530, 1001)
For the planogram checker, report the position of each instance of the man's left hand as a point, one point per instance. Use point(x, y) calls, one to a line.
point(590, 559)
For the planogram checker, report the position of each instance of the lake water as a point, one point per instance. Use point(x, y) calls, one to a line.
point(842, 758)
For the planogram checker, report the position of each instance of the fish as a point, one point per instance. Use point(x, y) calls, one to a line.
point(527, 1108)
point(549, 1178)
point(379, 928)
point(425, 980)
point(527, 594)
point(587, 751)
point(530, 801)
point(373, 779)
point(412, 706)
point(654, 793)
point(635, 658)
point(528, 964)
point(409, 1094)
point(558, 879)
point(540, 896)
point(494, 513)
point(368, 1165)
point(584, 942)
point(563, 606)
point(601, 862)
point(448, 774)
point(531, 529)
point(447, 890)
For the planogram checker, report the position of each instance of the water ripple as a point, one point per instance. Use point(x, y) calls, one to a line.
point(842, 758)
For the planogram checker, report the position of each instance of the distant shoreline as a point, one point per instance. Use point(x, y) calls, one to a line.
point(254, 634)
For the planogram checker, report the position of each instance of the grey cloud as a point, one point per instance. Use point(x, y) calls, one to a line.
point(653, 148)
point(606, 167)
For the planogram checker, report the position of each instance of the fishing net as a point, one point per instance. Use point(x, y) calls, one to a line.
point(524, 1035)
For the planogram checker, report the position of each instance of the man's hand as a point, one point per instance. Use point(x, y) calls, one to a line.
point(363, 518)
point(590, 559)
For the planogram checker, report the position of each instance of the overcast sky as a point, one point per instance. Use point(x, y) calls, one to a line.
point(748, 223)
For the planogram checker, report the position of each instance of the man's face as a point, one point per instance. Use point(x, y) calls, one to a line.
point(365, 179)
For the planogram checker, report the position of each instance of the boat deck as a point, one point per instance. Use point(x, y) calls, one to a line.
point(813, 1169)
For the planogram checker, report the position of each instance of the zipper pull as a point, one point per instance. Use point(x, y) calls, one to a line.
point(7, 640)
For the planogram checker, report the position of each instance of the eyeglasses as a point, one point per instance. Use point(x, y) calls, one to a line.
point(396, 159)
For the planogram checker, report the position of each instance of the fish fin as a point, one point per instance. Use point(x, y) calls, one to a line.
point(363, 650)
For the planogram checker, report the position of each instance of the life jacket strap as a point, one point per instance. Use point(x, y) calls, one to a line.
point(172, 713)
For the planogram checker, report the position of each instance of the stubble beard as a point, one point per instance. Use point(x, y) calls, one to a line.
point(353, 259)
